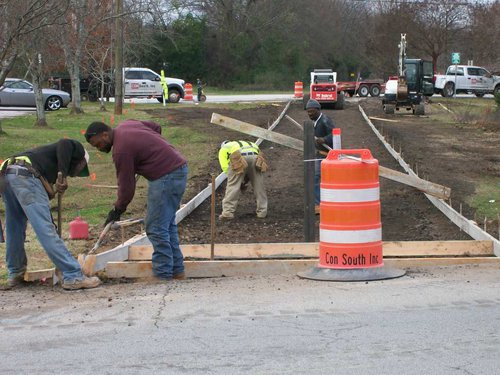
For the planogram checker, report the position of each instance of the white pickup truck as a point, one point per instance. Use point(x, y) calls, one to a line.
point(468, 79)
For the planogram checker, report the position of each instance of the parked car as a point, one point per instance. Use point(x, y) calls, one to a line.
point(19, 93)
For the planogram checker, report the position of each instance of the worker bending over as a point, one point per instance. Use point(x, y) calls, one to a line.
point(242, 161)
point(28, 179)
point(139, 148)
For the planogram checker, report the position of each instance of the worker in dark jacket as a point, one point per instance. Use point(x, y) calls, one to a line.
point(28, 178)
point(139, 148)
point(323, 127)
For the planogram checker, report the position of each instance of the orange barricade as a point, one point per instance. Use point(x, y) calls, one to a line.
point(350, 224)
point(350, 229)
point(298, 93)
point(188, 94)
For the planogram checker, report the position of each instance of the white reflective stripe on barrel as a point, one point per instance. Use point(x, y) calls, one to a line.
point(350, 195)
point(350, 236)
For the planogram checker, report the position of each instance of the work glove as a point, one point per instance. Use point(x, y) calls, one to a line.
point(113, 215)
point(61, 185)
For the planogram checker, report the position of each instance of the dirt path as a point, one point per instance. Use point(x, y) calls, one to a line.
point(406, 213)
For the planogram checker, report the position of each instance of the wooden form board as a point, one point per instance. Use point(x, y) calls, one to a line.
point(468, 226)
point(310, 250)
point(265, 267)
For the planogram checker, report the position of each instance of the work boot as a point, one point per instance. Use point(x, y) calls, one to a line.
point(85, 283)
point(226, 217)
point(13, 282)
point(180, 276)
point(316, 209)
point(262, 215)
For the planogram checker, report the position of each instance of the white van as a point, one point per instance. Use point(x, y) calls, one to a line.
point(145, 83)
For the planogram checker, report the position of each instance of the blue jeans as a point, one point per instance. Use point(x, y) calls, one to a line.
point(164, 198)
point(317, 181)
point(26, 200)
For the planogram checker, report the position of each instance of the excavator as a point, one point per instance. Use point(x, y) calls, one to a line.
point(408, 89)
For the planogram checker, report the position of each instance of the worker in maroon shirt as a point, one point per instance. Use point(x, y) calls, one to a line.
point(139, 148)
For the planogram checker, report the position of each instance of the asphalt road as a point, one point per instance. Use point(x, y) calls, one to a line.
point(442, 321)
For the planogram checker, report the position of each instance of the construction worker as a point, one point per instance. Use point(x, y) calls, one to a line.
point(28, 178)
point(242, 161)
point(323, 126)
point(139, 148)
point(200, 89)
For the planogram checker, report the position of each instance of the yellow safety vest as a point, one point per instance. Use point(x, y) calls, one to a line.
point(228, 148)
point(13, 160)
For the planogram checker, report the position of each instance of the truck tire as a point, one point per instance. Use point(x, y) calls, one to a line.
point(363, 91)
point(448, 90)
point(419, 110)
point(375, 91)
point(174, 96)
point(479, 94)
point(496, 90)
point(340, 101)
point(389, 109)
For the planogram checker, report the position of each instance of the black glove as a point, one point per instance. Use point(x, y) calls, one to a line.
point(113, 215)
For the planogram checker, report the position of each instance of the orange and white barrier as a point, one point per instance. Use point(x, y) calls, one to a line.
point(350, 222)
point(299, 90)
point(188, 91)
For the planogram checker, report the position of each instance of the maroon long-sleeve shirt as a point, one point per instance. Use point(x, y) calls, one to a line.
point(139, 148)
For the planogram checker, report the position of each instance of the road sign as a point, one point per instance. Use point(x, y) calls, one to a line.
point(455, 58)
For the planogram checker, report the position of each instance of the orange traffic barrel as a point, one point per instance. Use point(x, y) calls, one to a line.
point(188, 91)
point(350, 235)
point(299, 90)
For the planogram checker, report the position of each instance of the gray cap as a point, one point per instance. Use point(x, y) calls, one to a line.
point(313, 104)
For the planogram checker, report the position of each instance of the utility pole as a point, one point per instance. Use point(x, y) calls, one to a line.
point(118, 57)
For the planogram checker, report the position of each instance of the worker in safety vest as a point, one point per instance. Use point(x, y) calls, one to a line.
point(28, 180)
point(323, 126)
point(242, 161)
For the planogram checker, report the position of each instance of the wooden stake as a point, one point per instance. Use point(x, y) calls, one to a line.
point(212, 221)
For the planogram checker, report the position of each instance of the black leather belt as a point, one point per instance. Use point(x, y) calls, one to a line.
point(20, 172)
point(248, 153)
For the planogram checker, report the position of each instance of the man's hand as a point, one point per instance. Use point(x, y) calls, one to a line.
point(244, 186)
point(113, 215)
point(61, 185)
point(320, 141)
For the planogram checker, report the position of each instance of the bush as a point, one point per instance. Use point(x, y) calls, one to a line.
point(497, 100)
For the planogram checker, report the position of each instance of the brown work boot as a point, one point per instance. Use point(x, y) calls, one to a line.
point(13, 282)
point(226, 217)
point(85, 283)
point(316, 209)
point(179, 276)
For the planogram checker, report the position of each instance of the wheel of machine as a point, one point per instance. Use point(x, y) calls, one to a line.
point(419, 110)
point(340, 101)
point(203, 98)
point(449, 89)
point(375, 90)
point(363, 91)
point(53, 103)
point(84, 97)
point(389, 109)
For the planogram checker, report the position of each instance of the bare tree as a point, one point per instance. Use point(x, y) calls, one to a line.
point(19, 20)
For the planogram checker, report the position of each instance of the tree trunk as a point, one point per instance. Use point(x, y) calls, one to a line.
point(36, 76)
point(76, 100)
point(1, 130)
point(118, 58)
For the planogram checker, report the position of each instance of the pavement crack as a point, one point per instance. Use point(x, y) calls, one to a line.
point(161, 307)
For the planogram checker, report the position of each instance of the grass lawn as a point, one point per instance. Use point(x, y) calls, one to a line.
point(84, 197)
